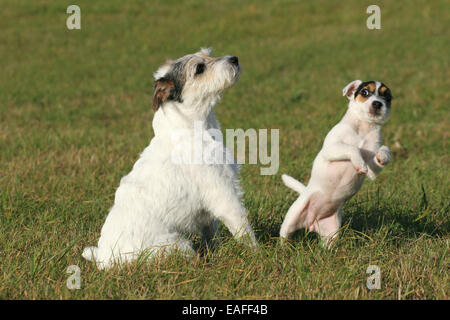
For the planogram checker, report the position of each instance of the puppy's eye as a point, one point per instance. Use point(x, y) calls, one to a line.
point(200, 68)
point(365, 93)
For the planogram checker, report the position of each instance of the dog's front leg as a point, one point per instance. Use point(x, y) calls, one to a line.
point(235, 219)
point(226, 206)
point(342, 151)
point(378, 161)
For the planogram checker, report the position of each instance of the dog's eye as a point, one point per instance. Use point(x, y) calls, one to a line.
point(365, 93)
point(200, 68)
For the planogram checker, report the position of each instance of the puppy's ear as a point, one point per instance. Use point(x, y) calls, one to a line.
point(350, 89)
point(163, 90)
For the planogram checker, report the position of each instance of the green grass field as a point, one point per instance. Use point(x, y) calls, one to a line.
point(75, 112)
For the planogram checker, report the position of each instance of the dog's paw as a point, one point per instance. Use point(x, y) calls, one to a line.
point(383, 156)
point(359, 165)
point(361, 169)
point(284, 241)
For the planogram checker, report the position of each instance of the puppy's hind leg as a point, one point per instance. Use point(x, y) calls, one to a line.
point(328, 228)
point(295, 216)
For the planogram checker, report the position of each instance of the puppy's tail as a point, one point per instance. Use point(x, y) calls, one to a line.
point(293, 183)
point(90, 253)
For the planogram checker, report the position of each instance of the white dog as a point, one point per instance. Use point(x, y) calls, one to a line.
point(351, 150)
point(160, 202)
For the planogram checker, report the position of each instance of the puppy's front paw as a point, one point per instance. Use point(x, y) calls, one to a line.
point(383, 156)
point(361, 169)
point(360, 166)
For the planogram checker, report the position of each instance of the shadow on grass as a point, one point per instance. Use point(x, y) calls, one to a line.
point(400, 221)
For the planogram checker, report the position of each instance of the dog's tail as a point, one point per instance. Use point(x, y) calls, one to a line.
point(293, 183)
point(90, 253)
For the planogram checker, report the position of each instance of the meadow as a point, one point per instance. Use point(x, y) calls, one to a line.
point(75, 112)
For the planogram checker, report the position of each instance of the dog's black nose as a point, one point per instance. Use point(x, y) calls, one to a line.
point(234, 60)
point(377, 104)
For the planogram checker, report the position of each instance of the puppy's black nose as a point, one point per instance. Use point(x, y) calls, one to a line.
point(377, 104)
point(234, 60)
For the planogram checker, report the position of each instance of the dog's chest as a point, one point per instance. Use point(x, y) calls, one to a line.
point(367, 141)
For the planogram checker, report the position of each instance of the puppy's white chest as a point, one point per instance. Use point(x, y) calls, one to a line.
point(362, 141)
point(356, 140)
point(369, 141)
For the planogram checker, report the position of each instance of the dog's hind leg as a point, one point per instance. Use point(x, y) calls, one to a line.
point(328, 228)
point(295, 217)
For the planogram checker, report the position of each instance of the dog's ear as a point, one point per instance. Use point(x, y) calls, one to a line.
point(350, 89)
point(163, 90)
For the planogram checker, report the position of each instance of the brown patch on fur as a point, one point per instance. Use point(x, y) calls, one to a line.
point(371, 87)
point(163, 87)
point(382, 90)
point(360, 98)
point(204, 56)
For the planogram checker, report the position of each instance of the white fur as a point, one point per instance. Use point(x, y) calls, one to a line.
point(160, 203)
point(351, 150)
point(162, 70)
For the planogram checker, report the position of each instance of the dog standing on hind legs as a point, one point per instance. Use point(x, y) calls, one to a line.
point(351, 150)
point(161, 201)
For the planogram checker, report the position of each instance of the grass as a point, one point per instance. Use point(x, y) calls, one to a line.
point(75, 113)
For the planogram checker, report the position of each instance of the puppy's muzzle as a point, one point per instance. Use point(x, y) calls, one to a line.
point(376, 107)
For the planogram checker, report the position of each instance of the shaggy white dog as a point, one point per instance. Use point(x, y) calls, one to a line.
point(161, 202)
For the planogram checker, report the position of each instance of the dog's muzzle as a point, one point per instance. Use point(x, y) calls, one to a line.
point(234, 60)
point(375, 108)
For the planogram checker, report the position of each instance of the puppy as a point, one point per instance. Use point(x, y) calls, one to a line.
point(161, 202)
point(351, 150)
